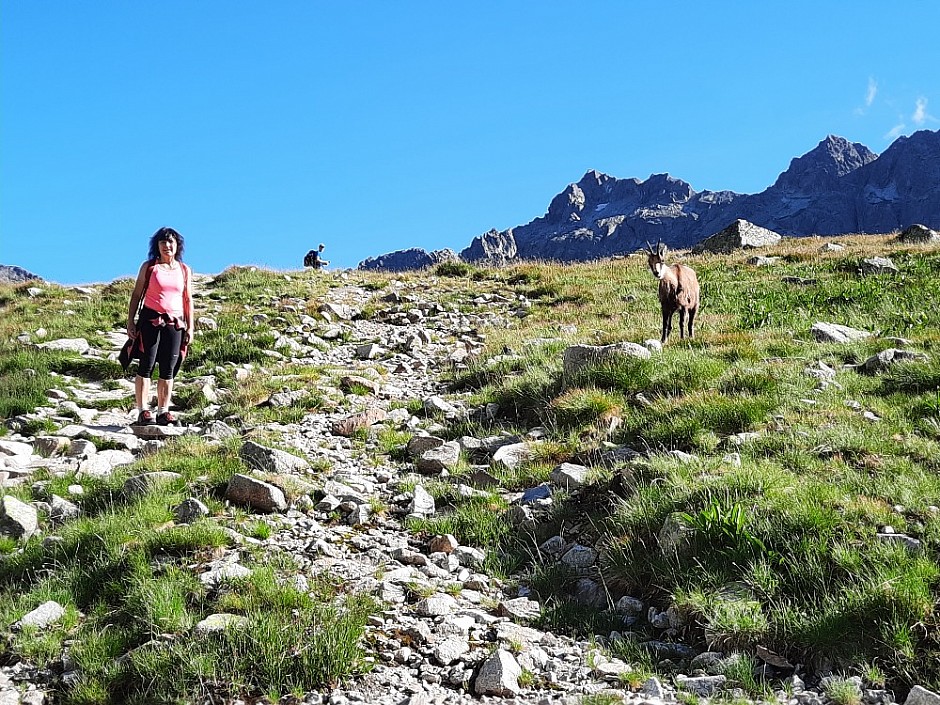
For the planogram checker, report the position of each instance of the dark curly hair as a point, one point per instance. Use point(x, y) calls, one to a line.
point(166, 234)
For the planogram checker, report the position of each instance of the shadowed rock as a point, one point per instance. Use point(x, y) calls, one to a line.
point(17, 519)
point(918, 234)
point(271, 460)
point(256, 494)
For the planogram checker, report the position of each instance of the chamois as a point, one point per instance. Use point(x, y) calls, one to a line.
point(678, 290)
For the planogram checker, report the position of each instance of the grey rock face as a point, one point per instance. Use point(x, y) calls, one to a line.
point(740, 235)
point(492, 247)
point(77, 345)
point(219, 622)
point(11, 274)
point(701, 685)
point(569, 476)
point(422, 503)
point(434, 460)
point(407, 260)
point(436, 605)
point(886, 358)
point(520, 609)
point(878, 265)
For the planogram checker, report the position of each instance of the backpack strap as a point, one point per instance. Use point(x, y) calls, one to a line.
point(143, 295)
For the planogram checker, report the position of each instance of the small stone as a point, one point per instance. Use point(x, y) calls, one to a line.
point(444, 543)
point(520, 608)
point(499, 675)
point(47, 613)
point(569, 476)
point(921, 696)
point(189, 510)
point(219, 623)
point(450, 649)
point(422, 503)
point(579, 556)
point(436, 605)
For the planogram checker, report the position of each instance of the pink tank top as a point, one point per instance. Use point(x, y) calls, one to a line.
point(165, 291)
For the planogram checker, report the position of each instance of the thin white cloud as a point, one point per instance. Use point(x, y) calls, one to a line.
point(869, 96)
point(895, 131)
point(920, 111)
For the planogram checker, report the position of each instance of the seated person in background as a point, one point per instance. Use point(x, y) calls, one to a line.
point(314, 259)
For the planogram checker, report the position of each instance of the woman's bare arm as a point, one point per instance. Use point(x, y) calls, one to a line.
point(188, 304)
point(138, 292)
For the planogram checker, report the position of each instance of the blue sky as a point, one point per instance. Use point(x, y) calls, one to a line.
point(262, 129)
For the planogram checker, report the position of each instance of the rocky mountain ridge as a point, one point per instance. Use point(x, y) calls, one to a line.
point(838, 187)
point(10, 274)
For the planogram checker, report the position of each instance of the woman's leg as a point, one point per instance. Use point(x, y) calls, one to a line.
point(168, 354)
point(150, 338)
point(142, 392)
point(164, 393)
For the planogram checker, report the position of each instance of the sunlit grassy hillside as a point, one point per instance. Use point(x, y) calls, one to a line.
point(776, 532)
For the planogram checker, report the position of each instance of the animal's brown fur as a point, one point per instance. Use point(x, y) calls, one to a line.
point(678, 291)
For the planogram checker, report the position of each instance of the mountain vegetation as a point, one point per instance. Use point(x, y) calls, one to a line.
point(760, 490)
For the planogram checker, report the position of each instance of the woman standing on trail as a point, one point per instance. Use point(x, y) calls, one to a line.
point(163, 299)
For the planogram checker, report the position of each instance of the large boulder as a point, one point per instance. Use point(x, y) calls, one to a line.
point(740, 235)
point(825, 332)
point(271, 460)
point(918, 234)
point(577, 357)
point(17, 519)
point(257, 494)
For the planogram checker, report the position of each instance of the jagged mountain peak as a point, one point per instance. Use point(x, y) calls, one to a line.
point(837, 187)
point(831, 159)
point(593, 176)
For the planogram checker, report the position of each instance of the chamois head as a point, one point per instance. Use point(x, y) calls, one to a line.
point(656, 259)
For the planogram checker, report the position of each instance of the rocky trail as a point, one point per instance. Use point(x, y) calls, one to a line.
point(447, 632)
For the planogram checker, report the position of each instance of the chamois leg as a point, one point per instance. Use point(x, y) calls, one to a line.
point(667, 325)
point(692, 312)
point(682, 323)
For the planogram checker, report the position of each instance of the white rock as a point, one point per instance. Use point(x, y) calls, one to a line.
point(436, 605)
point(499, 675)
point(569, 476)
point(47, 613)
point(449, 650)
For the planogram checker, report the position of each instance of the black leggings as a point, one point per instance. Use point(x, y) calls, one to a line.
point(161, 345)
